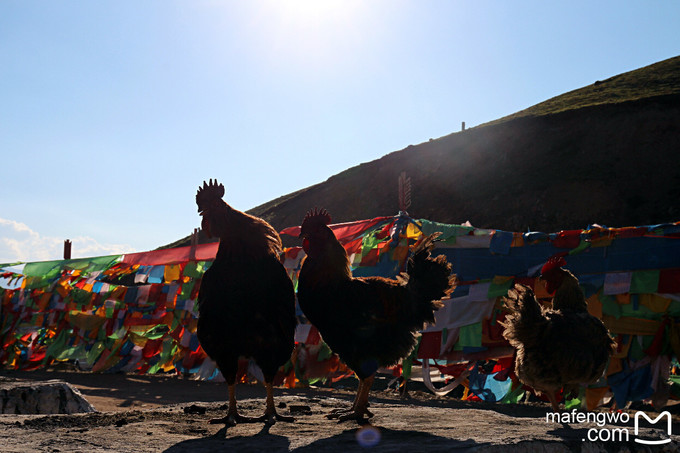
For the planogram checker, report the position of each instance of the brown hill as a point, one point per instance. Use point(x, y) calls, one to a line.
point(606, 154)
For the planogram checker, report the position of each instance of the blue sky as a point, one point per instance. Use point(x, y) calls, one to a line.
point(112, 113)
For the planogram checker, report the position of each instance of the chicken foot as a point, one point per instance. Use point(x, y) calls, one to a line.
point(233, 417)
point(360, 406)
point(403, 391)
point(552, 397)
point(270, 415)
point(335, 413)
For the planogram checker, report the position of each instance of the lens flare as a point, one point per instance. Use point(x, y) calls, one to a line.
point(368, 436)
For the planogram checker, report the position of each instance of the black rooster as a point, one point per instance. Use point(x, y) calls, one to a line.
point(246, 302)
point(371, 321)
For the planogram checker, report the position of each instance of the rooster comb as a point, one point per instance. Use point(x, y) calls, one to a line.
point(317, 215)
point(554, 262)
point(209, 194)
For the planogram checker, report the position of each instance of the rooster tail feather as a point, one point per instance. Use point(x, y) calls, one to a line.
point(524, 317)
point(427, 279)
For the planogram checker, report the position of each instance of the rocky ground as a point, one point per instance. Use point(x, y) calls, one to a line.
point(170, 414)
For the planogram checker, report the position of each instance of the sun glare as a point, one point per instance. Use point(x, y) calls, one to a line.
point(308, 31)
point(314, 13)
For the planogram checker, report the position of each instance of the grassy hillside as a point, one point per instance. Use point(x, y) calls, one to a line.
point(658, 79)
point(606, 153)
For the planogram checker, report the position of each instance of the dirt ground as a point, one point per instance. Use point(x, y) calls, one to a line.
point(170, 414)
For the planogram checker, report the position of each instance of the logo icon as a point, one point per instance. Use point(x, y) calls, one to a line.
point(666, 414)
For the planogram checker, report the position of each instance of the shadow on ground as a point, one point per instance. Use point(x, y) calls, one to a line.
point(348, 440)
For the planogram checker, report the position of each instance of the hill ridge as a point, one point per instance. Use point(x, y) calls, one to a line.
point(598, 154)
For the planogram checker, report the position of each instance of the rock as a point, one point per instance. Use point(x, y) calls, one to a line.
point(49, 397)
point(300, 409)
point(121, 422)
point(195, 409)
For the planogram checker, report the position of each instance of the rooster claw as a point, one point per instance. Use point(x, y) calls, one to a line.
point(272, 418)
point(352, 414)
point(340, 410)
point(343, 410)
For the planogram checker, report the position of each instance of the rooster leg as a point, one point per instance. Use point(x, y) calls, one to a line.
point(403, 391)
point(335, 413)
point(552, 397)
point(361, 405)
point(270, 415)
point(233, 417)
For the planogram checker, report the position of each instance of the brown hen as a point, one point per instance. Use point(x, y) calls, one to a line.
point(562, 347)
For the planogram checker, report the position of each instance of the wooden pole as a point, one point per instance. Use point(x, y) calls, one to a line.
point(67, 249)
point(193, 244)
point(194, 238)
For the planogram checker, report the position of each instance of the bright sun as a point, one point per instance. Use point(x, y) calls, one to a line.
point(314, 12)
point(308, 31)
